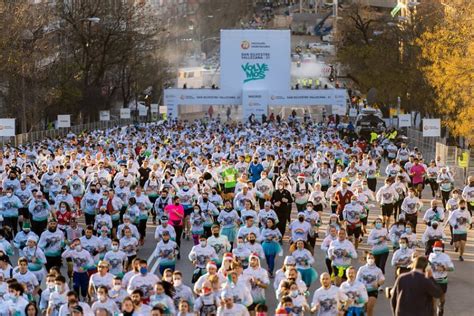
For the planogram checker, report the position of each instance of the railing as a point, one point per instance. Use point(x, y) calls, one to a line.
point(460, 161)
point(427, 145)
point(34, 136)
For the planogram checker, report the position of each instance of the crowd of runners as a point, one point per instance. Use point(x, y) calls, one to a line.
point(75, 213)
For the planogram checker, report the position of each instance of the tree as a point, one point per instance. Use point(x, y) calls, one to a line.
point(109, 43)
point(25, 59)
point(448, 52)
point(383, 53)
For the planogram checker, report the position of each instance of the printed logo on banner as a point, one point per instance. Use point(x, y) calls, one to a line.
point(245, 45)
point(255, 71)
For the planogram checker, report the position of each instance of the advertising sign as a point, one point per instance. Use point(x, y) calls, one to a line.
point(64, 121)
point(255, 59)
point(142, 111)
point(7, 127)
point(154, 108)
point(404, 120)
point(353, 112)
point(125, 113)
point(431, 127)
point(175, 97)
point(104, 116)
point(254, 102)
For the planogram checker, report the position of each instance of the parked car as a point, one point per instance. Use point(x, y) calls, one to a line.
point(369, 120)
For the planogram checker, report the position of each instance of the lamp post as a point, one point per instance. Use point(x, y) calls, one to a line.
point(85, 58)
point(27, 37)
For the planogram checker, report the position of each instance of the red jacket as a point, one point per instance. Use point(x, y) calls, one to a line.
point(342, 199)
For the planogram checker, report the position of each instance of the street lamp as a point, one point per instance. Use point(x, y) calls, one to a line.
point(27, 36)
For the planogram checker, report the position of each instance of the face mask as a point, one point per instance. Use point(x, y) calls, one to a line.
point(114, 247)
point(102, 212)
point(117, 287)
point(51, 286)
point(196, 211)
point(62, 209)
point(143, 270)
point(378, 225)
point(9, 194)
point(370, 261)
point(177, 203)
point(463, 208)
point(177, 282)
point(252, 241)
point(408, 230)
point(78, 248)
point(437, 250)
point(353, 202)
point(264, 177)
point(101, 297)
point(434, 226)
point(294, 293)
point(288, 310)
point(205, 199)
point(57, 288)
point(240, 245)
point(52, 230)
point(203, 243)
point(216, 235)
point(403, 246)
point(185, 188)
point(301, 219)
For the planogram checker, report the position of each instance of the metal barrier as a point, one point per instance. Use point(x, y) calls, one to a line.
point(427, 145)
point(34, 136)
point(460, 161)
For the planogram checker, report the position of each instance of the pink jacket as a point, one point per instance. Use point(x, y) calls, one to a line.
point(417, 172)
point(175, 214)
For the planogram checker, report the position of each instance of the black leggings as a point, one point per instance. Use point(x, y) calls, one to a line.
point(445, 197)
point(11, 222)
point(38, 227)
point(434, 186)
point(381, 260)
point(142, 228)
point(329, 266)
point(372, 184)
point(179, 232)
point(90, 219)
point(55, 261)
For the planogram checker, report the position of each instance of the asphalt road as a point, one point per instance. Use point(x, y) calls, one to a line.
point(461, 280)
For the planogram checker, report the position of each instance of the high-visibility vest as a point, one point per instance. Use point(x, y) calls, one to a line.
point(463, 160)
point(373, 136)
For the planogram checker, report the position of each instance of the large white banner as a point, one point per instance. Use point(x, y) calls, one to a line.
point(7, 127)
point(254, 102)
point(431, 127)
point(255, 59)
point(336, 98)
point(104, 116)
point(404, 120)
point(309, 97)
point(125, 113)
point(64, 121)
point(175, 97)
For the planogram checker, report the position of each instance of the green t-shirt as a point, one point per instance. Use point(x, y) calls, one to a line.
point(230, 177)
